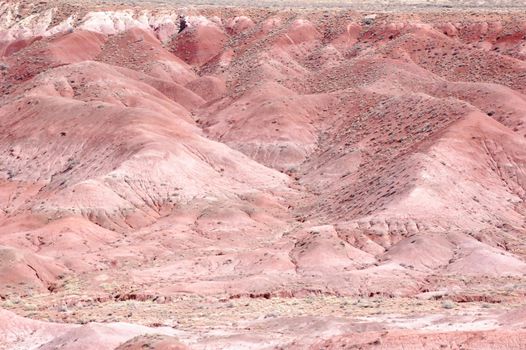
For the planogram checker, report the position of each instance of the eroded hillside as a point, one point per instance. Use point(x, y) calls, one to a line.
point(158, 155)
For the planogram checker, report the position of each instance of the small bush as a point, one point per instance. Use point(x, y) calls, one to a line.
point(448, 304)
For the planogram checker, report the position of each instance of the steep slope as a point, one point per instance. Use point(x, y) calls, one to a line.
point(151, 153)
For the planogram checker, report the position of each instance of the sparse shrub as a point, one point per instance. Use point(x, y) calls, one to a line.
point(448, 304)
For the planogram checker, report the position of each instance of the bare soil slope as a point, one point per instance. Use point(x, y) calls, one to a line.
point(155, 155)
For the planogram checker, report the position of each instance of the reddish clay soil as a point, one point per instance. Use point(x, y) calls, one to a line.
point(212, 177)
